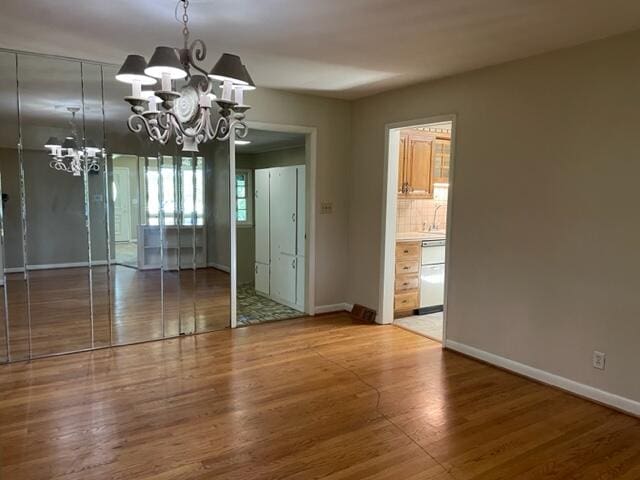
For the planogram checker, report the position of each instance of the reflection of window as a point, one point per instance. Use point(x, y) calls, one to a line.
point(178, 182)
point(243, 197)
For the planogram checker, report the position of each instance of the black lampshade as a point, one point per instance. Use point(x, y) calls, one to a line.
point(165, 60)
point(230, 68)
point(53, 142)
point(133, 69)
point(247, 78)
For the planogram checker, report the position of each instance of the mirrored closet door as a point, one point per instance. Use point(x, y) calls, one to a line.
point(105, 238)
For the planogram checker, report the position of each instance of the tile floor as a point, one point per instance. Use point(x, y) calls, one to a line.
point(254, 308)
point(428, 325)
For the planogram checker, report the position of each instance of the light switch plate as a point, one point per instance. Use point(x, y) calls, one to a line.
point(326, 208)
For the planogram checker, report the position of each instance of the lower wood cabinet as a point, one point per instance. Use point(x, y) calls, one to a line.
point(407, 281)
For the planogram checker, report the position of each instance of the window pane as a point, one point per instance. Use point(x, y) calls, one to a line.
point(241, 192)
point(242, 204)
point(242, 215)
point(240, 180)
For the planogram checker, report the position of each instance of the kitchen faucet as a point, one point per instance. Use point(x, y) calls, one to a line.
point(433, 225)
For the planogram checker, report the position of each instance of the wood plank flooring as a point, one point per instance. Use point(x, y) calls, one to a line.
point(299, 399)
point(135, 302)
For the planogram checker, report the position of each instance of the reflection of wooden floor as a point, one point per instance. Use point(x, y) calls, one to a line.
point(61, 307)
point(299, 399)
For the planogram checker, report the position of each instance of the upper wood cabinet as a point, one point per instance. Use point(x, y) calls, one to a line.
point(423, 160)
point(441, 160)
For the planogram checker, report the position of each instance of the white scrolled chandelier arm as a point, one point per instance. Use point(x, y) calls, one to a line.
point(185, 115)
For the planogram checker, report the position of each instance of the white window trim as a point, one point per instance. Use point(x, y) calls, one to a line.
point(249, 189)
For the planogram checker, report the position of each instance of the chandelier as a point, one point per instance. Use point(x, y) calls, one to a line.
point(186, 114)
point(68, 156)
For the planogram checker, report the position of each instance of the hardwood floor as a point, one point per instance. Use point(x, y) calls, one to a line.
point(134, 300)
point(299, 399)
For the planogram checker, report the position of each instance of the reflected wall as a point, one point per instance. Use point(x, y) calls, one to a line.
point(124, 249)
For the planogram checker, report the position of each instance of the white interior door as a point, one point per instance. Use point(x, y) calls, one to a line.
point(300, 208)
point(283, 210)
point(283, 278)
point(121, 204)
point(301, 237)
point(262, 278)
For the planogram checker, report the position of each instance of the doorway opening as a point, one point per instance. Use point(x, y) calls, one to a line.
point(417, 225)
point(124, 192)
point(271, 192)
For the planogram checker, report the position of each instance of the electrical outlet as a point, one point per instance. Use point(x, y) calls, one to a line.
point(599, 359)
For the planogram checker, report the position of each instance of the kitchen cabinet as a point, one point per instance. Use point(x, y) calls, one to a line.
point(424, 159)
point(441, 160)
point(407, 279)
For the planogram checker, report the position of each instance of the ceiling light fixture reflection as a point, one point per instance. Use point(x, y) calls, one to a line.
point(186, 114)
point(243, 142)
point(73, 155)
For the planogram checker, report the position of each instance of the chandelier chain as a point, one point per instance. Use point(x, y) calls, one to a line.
point(185, 21)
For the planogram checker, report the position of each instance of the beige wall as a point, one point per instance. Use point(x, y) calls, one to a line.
point(545, 236)
point(55, 212)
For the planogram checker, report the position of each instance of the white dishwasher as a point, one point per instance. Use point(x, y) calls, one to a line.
point(432, 276)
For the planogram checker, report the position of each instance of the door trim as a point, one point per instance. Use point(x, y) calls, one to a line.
point(389, 216)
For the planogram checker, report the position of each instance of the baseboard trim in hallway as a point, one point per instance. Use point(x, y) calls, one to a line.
point(337, 307)
point(617, 402)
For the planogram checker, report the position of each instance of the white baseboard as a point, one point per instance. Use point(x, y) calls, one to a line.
point(54, 266)
point(338, 307)
point(586, 391)
point(219, 266)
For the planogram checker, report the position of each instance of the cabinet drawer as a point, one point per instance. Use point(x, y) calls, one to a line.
point(405, 283)
point(411, 266)
point(407, 250)
point(406, 301)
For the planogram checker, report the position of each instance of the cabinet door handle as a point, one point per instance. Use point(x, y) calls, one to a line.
point(405, 268)
point(293, 263)
point(406, 251)
point(293, 217)
point(256, 269)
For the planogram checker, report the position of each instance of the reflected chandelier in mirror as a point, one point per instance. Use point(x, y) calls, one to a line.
point(68, 156)
point(186, 114)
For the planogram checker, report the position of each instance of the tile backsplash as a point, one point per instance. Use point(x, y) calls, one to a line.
point(416, 215)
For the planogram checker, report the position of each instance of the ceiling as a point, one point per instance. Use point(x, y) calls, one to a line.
point(337, 48)
point(266, 141)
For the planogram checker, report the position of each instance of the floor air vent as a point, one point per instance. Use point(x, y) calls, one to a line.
point(363, 314)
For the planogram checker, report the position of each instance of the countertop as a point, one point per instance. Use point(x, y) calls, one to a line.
point(419, 236)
